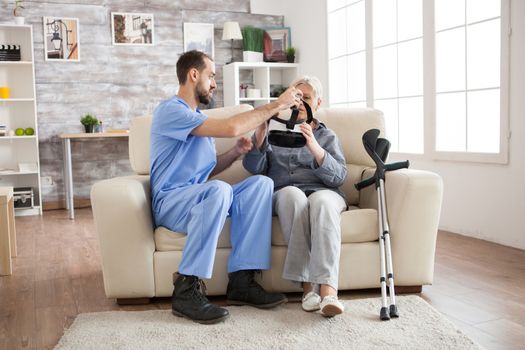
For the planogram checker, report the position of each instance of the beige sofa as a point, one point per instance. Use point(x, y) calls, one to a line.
point(138, 261)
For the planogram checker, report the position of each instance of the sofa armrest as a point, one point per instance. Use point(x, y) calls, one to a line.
point(122, 214)
point(413, 199)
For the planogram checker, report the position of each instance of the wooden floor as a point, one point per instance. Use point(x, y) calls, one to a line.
point(479, 286)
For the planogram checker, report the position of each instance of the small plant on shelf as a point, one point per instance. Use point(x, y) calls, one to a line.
point(290, 54)
point(252, 39)
point(19, 5)
point(252, 44)
point(89, 122)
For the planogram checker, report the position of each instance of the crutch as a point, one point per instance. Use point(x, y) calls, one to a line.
point(377, 148)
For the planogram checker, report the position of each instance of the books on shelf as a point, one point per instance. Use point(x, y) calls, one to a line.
point(9, 52)
point(3, 130)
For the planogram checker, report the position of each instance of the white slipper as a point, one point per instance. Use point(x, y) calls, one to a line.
point(311, 302)
point(330, 306)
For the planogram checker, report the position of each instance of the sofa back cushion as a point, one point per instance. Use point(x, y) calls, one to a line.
point(140, 129)
point(350, 124)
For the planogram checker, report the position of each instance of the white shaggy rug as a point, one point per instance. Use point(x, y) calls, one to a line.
point(420, 326)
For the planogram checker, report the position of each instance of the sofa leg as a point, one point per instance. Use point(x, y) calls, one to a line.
point(408, 289)
point(133, 301)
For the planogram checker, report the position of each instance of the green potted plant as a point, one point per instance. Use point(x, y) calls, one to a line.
point(253, 44)
point(89, 122)
point(19, 5)
point(290, 54)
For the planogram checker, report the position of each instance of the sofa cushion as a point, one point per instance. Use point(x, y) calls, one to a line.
point(167, 240)
point(358, 225)
point(355, 175)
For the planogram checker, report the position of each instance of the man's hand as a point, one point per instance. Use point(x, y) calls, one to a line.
point(291, 97)
point(243, 145)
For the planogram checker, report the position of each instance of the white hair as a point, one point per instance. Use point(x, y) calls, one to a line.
point(313, 82)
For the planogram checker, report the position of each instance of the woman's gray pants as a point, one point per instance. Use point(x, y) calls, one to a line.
point(312, 228)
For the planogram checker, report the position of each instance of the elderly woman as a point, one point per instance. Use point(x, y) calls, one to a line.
point(307, 201)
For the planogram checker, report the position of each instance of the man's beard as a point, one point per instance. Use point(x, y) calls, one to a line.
point(203, 95)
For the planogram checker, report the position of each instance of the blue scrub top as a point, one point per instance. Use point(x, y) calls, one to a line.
point(178, 158)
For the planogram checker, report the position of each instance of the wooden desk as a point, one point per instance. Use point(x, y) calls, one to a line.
point(68, 172)
point(7, 230)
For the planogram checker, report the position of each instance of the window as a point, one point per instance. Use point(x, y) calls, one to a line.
point(347, 54)
point(398, 71)
point(468, 75)
point(436, 68)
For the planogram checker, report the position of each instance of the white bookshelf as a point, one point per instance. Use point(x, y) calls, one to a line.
point(258, 75)
point(19, 111)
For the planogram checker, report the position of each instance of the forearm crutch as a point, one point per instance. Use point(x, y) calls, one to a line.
point(377, 148)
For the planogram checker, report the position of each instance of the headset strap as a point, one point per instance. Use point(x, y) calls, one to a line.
point(290, 123)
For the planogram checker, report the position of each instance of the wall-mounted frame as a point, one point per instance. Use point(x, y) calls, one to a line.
point(199, 36)
point(61, 39)
point(132, 28)
point(276, 41)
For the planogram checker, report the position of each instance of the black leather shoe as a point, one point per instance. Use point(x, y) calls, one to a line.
point(189, 300)
point(244, 290)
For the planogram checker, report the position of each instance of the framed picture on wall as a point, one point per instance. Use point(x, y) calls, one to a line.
point(61, 39)
point(199, 36)
point(276, 41)
point(132, 28)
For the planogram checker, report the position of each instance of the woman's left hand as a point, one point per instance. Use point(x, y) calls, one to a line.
point(312, 144)
point(308, 133)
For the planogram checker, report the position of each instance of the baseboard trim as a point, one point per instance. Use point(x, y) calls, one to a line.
point(408, 289)
point(61, 204)
point(133, 301)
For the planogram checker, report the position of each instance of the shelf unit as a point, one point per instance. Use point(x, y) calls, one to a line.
point(19, 111)
point(258, 75)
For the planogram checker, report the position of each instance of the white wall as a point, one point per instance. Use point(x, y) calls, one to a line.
point(488, 201)
point(480, 200)
point(307, 20)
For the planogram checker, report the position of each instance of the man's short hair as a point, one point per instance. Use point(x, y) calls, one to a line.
point(314, 82)
point(189, 60)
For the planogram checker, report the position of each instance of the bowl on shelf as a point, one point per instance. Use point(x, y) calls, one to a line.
point(27, 167)
point(253, 93)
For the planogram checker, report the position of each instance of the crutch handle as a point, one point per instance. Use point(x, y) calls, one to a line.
point(398, 165)
point(365, 183)
point(388, 167)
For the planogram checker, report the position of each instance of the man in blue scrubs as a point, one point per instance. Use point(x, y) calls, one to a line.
point(183, 157)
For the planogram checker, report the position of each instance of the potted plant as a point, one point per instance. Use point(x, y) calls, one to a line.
point(253, 44)
point(19, 5)
point(290, 54)
point(89, 122)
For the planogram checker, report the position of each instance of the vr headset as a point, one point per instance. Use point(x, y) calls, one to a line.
point(286, 133)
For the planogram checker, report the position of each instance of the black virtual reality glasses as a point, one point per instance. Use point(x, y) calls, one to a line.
point(286, 133)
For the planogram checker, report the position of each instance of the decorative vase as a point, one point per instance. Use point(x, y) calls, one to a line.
point(88, 129)
point(19, 20)
point(252, 56)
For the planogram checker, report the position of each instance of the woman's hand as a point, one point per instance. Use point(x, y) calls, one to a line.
point(312, 144)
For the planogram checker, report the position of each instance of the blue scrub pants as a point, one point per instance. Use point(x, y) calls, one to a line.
point(200, 211)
